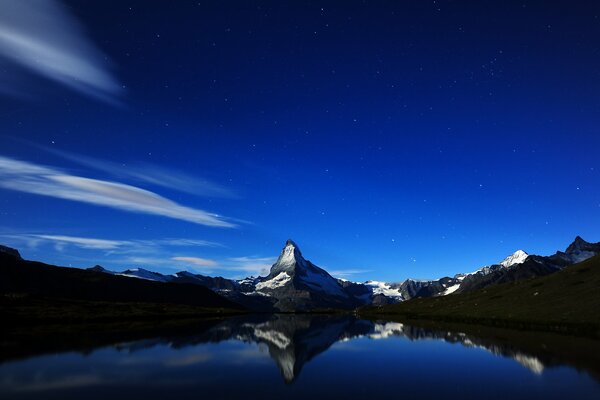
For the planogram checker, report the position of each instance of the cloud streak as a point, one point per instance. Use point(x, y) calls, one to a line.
point(196, 261)
point(31, 178)
point(43, 38)
point(86, 243)
point(163, 253)
point(114, 246)
point(252, 265)
point(344, 273)
point(156, 175)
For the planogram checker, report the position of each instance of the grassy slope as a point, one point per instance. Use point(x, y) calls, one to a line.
point(568, 298)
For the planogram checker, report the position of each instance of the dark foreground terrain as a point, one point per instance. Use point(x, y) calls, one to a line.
point(34, 291)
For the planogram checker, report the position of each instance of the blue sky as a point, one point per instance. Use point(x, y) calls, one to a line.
point(389, 140)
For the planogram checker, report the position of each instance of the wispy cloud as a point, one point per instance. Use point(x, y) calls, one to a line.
point(162, 253)
point(236, 267)
point(345, 273)
point(181, 242)
point(113, 246)
point(43, 38)
point(250, 264)
point(31, 178)
point(196, 261)
point(149, 173)
point(86, 243)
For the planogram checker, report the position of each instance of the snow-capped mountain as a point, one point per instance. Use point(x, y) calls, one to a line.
point(521, 267)
point(516, 266)
point(145, 274)
point(296, 284)
point(518, 257)
point(385, 289)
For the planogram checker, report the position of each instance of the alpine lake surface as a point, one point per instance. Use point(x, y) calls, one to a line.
point(284, 356)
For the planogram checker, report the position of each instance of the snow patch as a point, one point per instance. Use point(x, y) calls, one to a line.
point(141, 273)
point(518, 257)
point(451, 289)
point(384, 289)
point(278, 281)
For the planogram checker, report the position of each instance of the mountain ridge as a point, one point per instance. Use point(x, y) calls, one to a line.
point(296, 284)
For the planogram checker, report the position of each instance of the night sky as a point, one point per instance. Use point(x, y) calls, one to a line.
point(389, 139)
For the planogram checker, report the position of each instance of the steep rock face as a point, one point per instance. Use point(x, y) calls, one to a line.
point(296, 284)
point(412, 288)
point(578, 251)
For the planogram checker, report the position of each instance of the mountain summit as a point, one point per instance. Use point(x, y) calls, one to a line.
point(289, 259)
point(518, 257)
point(578, 251)
point(295, 283)
point(579, 246)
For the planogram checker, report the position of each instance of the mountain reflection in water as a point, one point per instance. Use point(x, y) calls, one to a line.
point(226, 349)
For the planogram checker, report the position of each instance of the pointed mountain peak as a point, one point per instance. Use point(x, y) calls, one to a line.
point(289, 259)
point(577, 245)
point(291, 243)
point(518, 257)
point(290, 254)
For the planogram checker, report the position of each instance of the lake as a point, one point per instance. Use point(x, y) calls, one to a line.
point(297, 356)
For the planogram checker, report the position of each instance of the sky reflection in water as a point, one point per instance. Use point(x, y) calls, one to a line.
point(297, 357)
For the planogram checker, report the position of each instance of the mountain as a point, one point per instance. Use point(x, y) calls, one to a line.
point(296, 284)
point(293, 284)
point(529, 267)
point(565, 299)
point(515, 267)
point(518, 257)
point(22, 279)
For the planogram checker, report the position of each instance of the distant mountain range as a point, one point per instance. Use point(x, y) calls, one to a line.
point(26, 280)
point(296, 284)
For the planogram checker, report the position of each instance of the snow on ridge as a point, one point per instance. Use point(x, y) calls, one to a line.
point(383, 288)
point(518, 257)
point(451, 289)
point(141, 273)
point(273, 283)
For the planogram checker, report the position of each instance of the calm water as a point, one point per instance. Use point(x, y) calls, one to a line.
point(297, 357)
